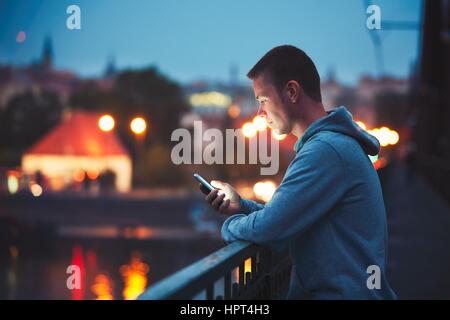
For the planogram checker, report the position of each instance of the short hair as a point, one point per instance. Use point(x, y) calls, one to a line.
point(285, 63)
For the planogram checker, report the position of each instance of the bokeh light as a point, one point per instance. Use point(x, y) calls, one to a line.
point(234, 111)
point(21, 37)
point(138, 125)
point(36, 189)
point(362, 125)
point(278, 136)
point(106, 123)
point(13, 184)
point(260, 123)
point(248, 130)
point(264, 190)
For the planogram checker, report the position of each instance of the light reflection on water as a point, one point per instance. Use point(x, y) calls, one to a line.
point(115, 263)
point(139, 232)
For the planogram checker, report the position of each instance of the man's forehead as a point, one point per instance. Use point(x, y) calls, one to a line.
point(260, 87)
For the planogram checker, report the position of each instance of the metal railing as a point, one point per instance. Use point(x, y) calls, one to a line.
point(240, 270)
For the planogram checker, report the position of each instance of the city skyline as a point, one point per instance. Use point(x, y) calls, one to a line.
point(174, 28)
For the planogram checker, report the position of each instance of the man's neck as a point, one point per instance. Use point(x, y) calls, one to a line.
point(313, 113)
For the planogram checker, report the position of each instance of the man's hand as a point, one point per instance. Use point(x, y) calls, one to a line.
point(223, 199)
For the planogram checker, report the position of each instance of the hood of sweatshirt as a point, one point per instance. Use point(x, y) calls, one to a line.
point(341, 121)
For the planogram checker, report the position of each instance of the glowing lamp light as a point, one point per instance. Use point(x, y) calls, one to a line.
point(79, 175)
point(234, 111)
point(36, 190)
point(13, 184)
point(394, 137)
point(106, 123)
point(247, 268)
point(278, 136)
point(212, 98)
point(260, 123)
point(385, 136)
point(380, 163)
point(92, 174)
point(138, 125)
point(362, 125)
point(248, 130)
point(264, 190)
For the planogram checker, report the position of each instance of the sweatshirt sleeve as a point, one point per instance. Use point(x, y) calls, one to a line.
point(248, 206)
point(313, 184)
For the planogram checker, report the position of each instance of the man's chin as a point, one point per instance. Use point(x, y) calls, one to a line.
point(279, 131)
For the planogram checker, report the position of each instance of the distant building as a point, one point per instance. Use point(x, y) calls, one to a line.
point(368, 87)
point(331, 90)
point(76, 150)
point(42, 76)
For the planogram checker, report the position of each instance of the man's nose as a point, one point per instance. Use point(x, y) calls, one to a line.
point(261, 112)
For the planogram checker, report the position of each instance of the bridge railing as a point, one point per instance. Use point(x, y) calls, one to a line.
point(240, 270)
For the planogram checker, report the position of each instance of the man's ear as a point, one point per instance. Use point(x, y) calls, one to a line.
point(294, 91)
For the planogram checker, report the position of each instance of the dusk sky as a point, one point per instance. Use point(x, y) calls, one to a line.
point(201, 39)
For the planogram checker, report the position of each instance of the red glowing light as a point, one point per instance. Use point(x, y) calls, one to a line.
point(78, 260)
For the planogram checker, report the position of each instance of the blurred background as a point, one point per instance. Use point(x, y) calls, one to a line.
point(86, 116)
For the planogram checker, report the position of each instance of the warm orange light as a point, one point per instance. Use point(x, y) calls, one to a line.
point(247, 268)
point(134, 276)
point(278, 136)
point(264, 190)
point(385, 136)
point(380, 163)
point(13, 182)
point(362, 125)
point(36, 189)
point(14, 252)
point(102, 288)
point(260, 123)
point(234, 111)
point(394, 137)
point(106, 123)
point(138, 125)
point(79, 175)
point(92, 174)
point(248, 130)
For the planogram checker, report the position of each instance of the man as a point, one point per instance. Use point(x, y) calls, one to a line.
point(328, 210)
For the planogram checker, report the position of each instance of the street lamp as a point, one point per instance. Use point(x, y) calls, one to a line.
point(138, 125)
point(249, 130)
point(106, 123)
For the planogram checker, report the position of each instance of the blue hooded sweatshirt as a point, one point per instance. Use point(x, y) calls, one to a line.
point(328, 211)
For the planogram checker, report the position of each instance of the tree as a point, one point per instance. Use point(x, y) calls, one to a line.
point(25, 119)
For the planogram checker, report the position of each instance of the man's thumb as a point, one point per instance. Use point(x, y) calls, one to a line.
point(217, 184)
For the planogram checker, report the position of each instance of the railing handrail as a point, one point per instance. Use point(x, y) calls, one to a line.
point(190, 280)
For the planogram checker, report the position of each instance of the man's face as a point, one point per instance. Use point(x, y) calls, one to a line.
point(272, 105)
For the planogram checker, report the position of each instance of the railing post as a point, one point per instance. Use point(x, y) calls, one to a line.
point(203, 275)
point(227, 285)
point(210, 292)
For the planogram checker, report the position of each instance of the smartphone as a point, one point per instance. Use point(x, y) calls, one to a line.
point(205, 183)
